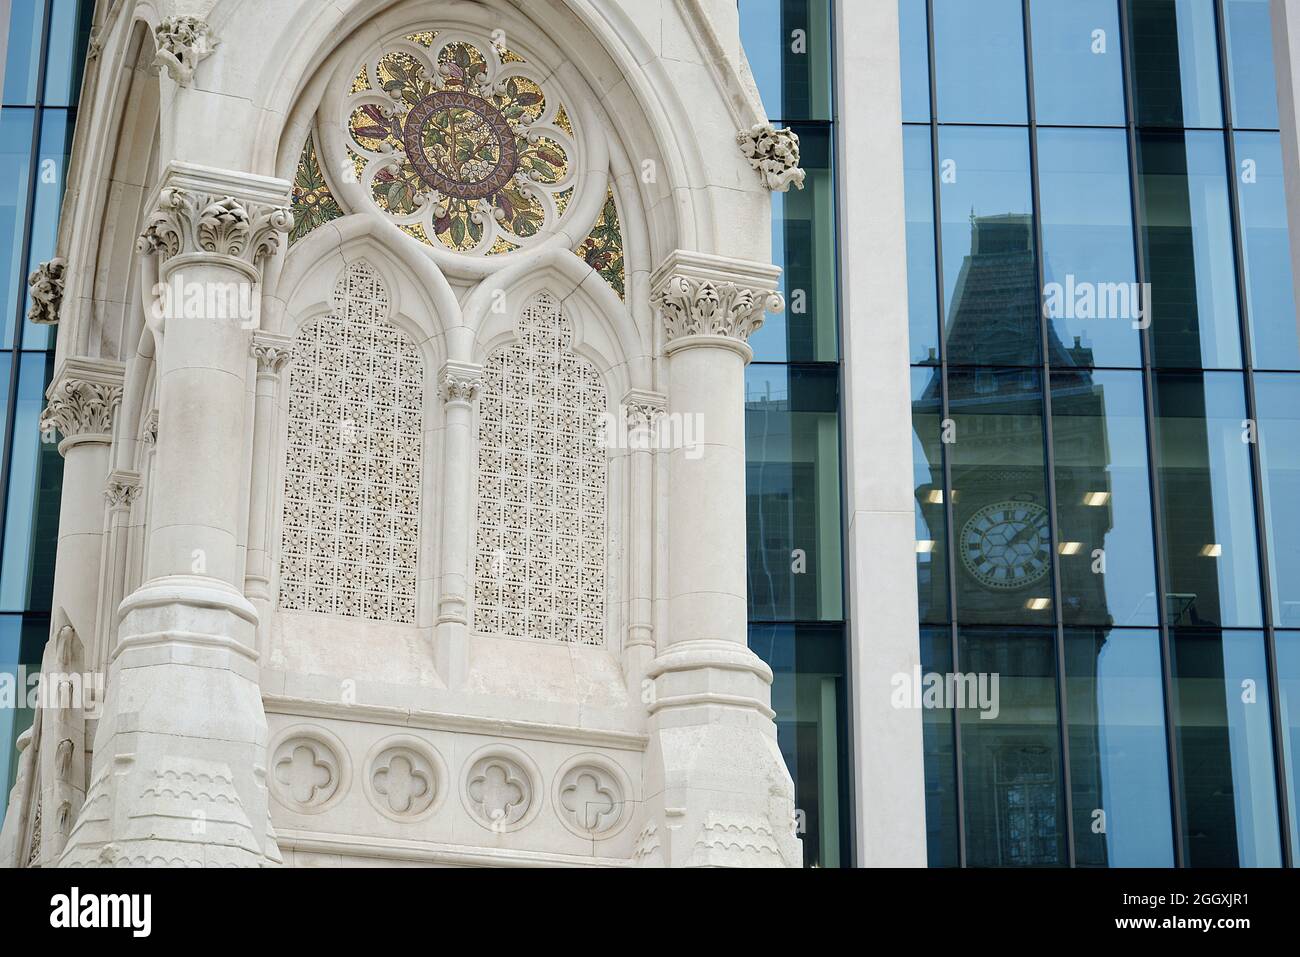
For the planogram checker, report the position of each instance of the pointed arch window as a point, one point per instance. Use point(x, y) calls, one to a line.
point(542, 490)
point(350, 534)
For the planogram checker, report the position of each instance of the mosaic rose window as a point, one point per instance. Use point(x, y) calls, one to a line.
point(461, 143)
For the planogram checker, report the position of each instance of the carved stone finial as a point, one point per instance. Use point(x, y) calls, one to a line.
point(694, 306)
point(81, 407)
point(46, 285)
point(189, 223)
point(774, 154)
point(272, 354)
point(183, 43)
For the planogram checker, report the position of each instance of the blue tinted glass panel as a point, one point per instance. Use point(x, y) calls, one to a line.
point(1225, 749)
point(21, 644)
point(940, 763)
point(809, 697)
point(788, 43)
point(1011, 754)
point(1288, 670)
point(793, 477)
point(1078, 63)
point(922, 293)
point(22, 55)
point(15, 170)
point(1176, 63)
point(1265, 243)
point(35, 466)
point(1250, 56)
point(990, 273)
point(979, 52)
point(69, 30)
point(1204, 471)
point(51, 178)
point(914, 52)
point(1119, 763)
point(1187, 237)
point(1103, 499)
point(803, 245)
point(927, 472)
point(1090, 293)
point(1277, 398)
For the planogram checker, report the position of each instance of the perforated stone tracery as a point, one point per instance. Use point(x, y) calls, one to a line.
point(352, 472)
point(540, 567)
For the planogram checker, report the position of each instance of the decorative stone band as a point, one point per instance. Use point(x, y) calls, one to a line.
point(122, 490)
point(83, 399)
point(774, 154)
point(183, 43)
point(46, 285)
point(187, 223)
point(461, 382)
point(273, 353)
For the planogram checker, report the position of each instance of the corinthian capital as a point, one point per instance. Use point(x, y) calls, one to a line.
point(272, 353)
point(123, 489)
point(461, 381)
point(83, 398)
point(183, 43)
point(774, 154)
point(702, 295)
point(46, 285)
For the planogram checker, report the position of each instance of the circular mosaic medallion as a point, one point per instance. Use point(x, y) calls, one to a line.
point(460, 145)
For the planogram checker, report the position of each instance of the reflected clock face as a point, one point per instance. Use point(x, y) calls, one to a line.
point(1007, 545)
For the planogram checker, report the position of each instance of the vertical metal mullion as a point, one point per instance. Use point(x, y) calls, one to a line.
point(950, 557)
point(20, 315)
point(1153, 480)
point(1049, 451)
point(1256, 462)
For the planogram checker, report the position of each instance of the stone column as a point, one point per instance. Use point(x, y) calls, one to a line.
point(460, 383)
point(272, 353)
point(642, 413)
point(717, 790)
point(121, 492)
point(179, 773)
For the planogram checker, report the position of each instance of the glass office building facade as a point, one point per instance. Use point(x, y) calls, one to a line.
point(1106, 385)
point(42, 53)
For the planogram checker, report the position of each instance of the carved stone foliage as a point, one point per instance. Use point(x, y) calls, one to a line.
point(462, 142)
point(122, 489)
point(499, 792)
point(46, 285)
point(272, 355)
point(591, 797)
point(701, 307)
point(186, 222)
point(306, 772)
point(461, 384)
point(774, 154)
point(542, 491)
point(404, 781)
point(353, 460)
point(81, 407)
point(183, 43)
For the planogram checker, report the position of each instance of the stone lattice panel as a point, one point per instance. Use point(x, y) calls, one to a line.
point(353, 461)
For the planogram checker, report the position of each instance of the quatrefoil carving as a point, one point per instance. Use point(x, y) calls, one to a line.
point(404, 781)
point(500, 792)
point(306, 772)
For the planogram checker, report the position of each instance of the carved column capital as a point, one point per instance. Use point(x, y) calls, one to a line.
point(183, 43)
point(149, 429)
point(641, 408)
point(461, 382)
point(122, 489)
point(83, 399)
point(46, 285)
point(774, 154)
point(203, 212)
point(273, 353)
point(702, 295)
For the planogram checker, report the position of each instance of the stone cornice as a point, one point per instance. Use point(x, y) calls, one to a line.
point(272, 353)
point(461, 381)
point(702, 295)
point(83, 399)
point(774, 154)
point(183, 43)
point(46, 285)
point(203, 212)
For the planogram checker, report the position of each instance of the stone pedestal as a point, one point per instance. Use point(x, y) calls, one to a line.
point(717, 790)
point(179, 772)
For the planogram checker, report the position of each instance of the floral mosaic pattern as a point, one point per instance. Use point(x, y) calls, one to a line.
point(314, 204)
point(457, 141)
point(540, 558)
point(602, 250)
point(350, 537)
